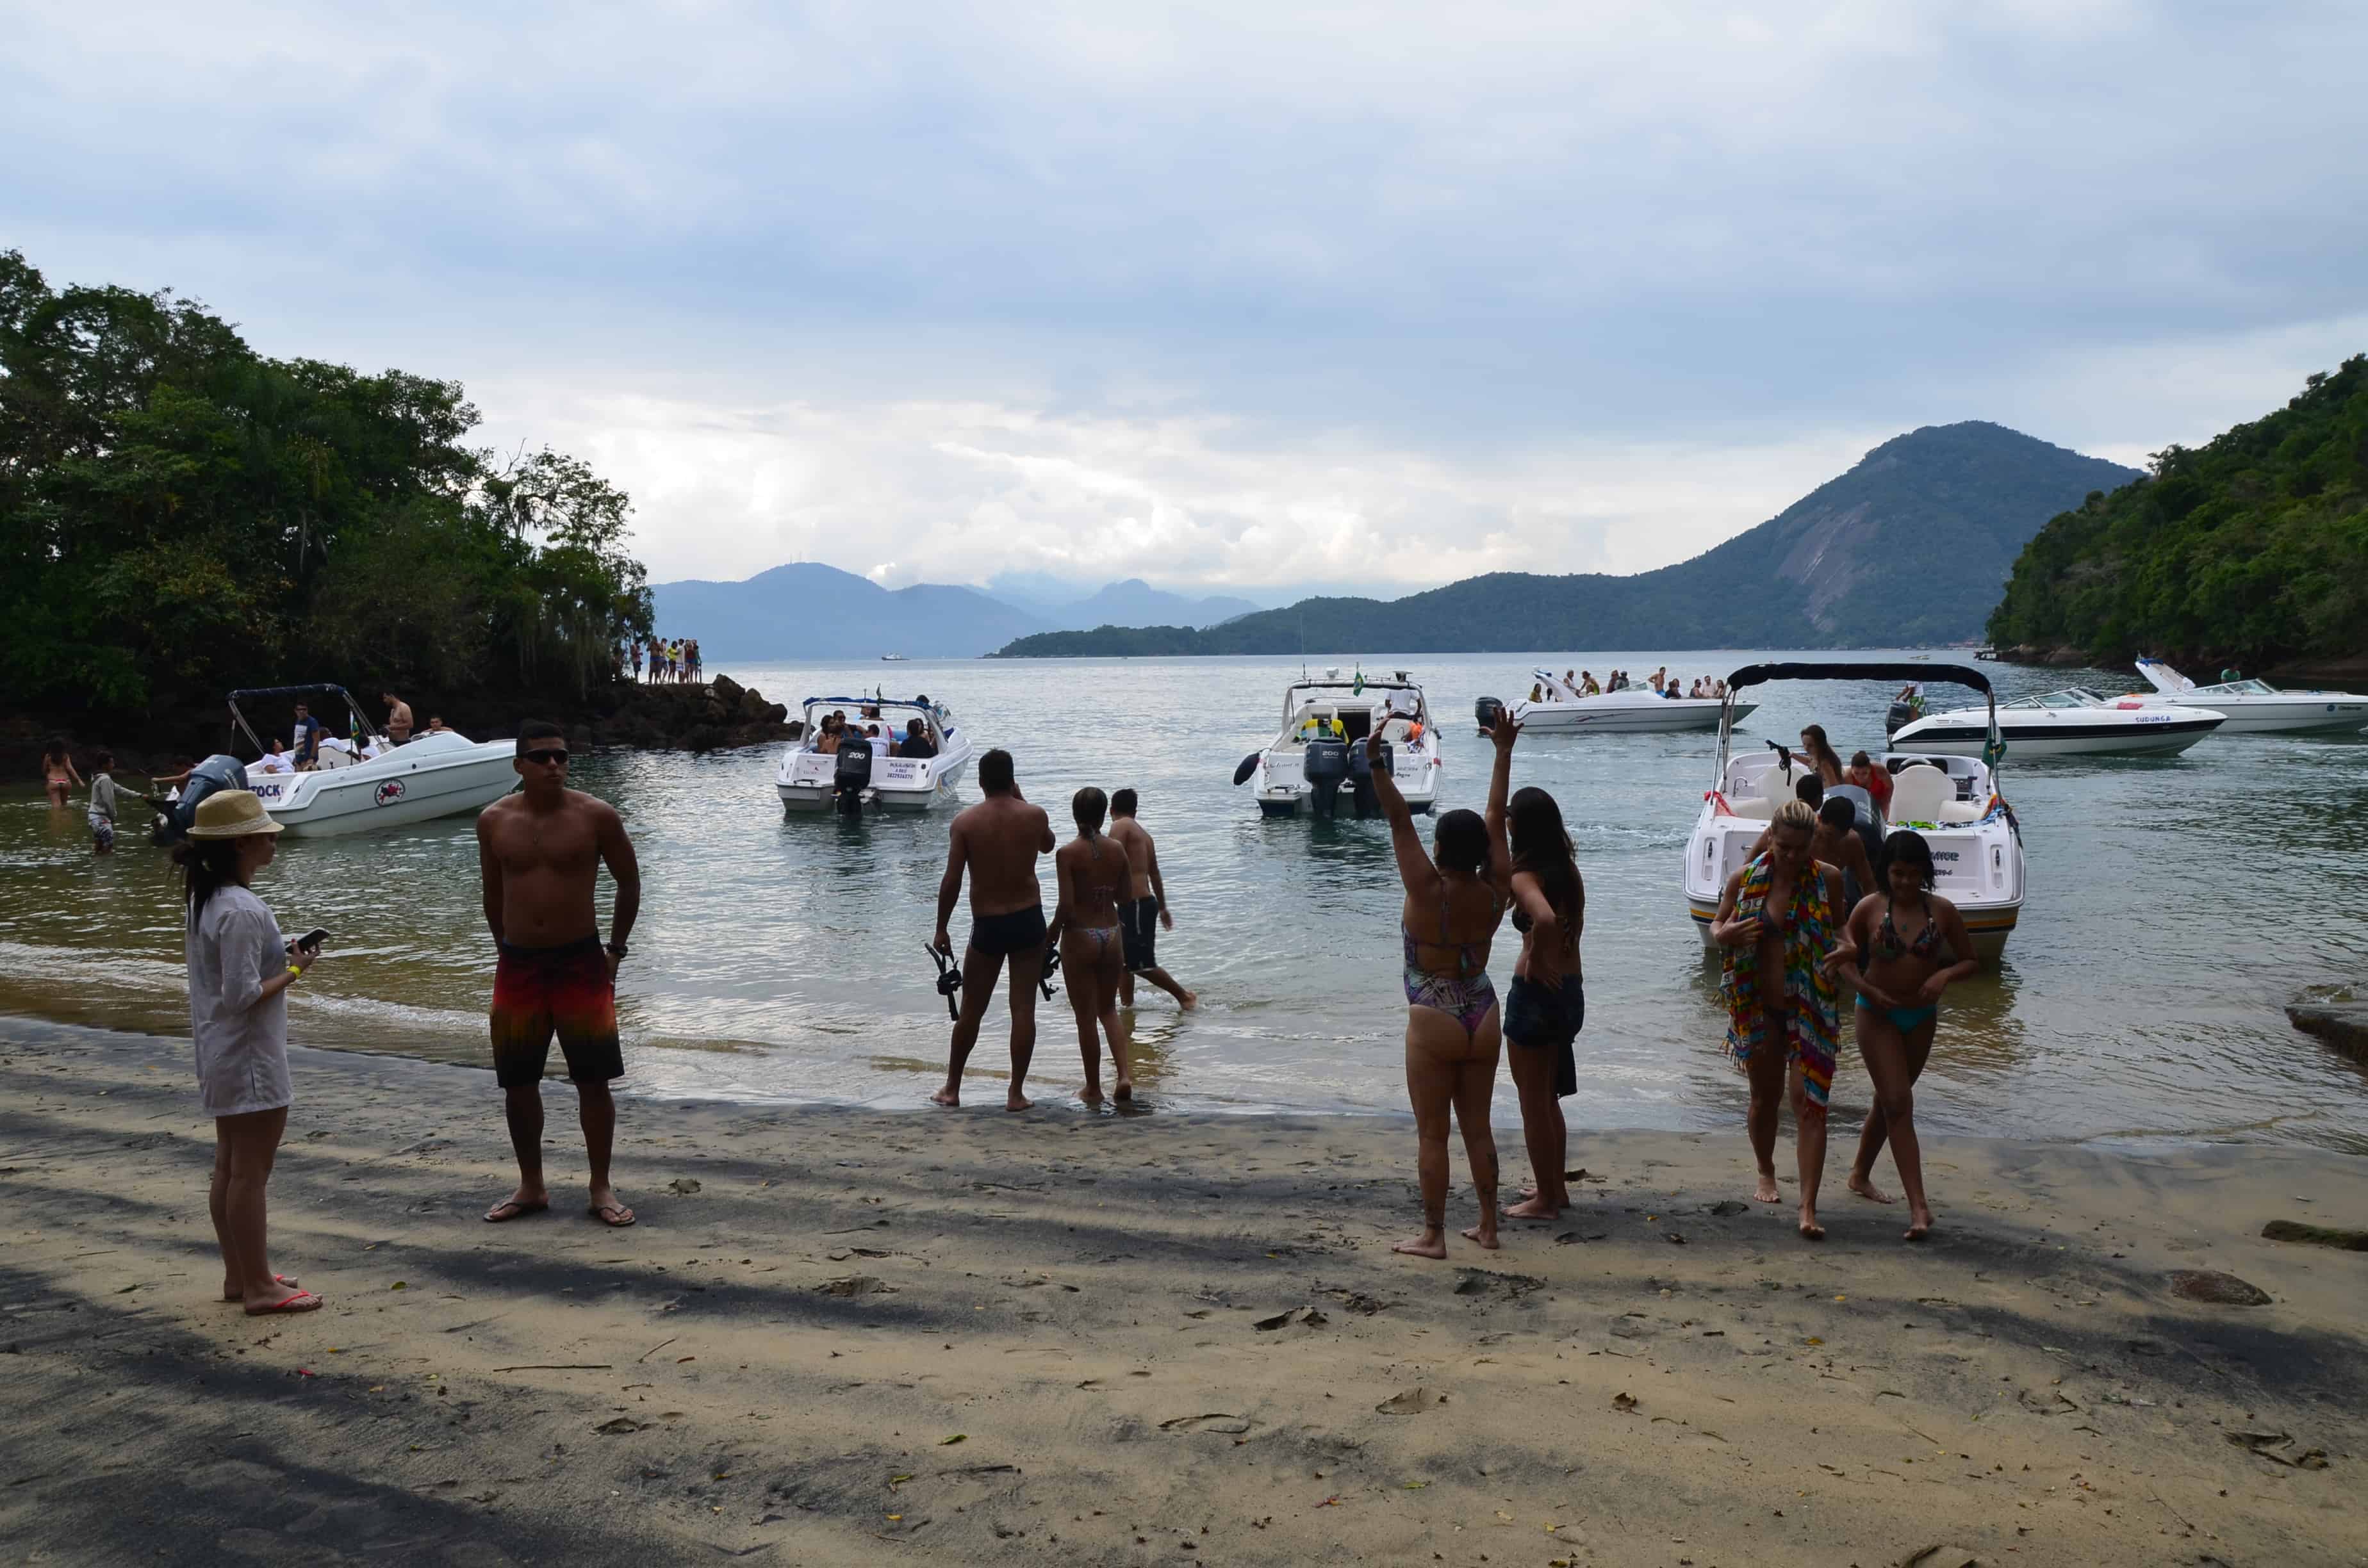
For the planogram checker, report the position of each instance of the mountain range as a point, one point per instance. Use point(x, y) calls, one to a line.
point(1911, 546)
point(808, 611)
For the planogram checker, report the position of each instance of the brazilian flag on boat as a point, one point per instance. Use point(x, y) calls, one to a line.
point(1357, 688)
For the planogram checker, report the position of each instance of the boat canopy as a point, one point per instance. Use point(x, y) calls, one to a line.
point(1993, 750)
point(260, 693)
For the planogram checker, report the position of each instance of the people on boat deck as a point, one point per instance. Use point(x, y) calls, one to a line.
point(1588, 686)
point(1875, 782)
point(307, 737)
point(1670, 691)
point(1821, 754)
point(1454, 902)
point(398, 718)
point(1537, 691)
point(435, 725)
point(1899, 981)
point(917, 742)
point(275, 760)
point(995, 845)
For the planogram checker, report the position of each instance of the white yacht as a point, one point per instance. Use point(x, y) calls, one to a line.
point(1630, 711)
point(1952, 801)
point(2254, 707)
point(1320, 748)
point(2075, 722)
point(375, 784)
point(866, 770)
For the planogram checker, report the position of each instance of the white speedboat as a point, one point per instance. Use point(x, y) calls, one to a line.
point(1952, 801)
point(1319, 753)
point(1630, 711)
point(442, 774)
point(867, 771)
point(2254, 707)
point(2074, 722)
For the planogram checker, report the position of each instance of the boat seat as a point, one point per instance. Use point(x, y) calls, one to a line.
point(1960, 810)
point(1920, 793)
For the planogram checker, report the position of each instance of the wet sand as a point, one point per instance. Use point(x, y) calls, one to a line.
point(966, 1336)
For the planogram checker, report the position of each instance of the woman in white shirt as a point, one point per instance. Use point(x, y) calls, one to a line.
point(239, 970)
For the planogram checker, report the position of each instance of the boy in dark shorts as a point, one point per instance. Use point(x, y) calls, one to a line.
point(1146, 909)
point(539, 856)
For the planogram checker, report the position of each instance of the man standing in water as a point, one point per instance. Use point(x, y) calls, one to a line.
point(1146, 911)
point(538, 855)
point(997, 842)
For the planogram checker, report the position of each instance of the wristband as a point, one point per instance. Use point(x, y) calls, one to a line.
point(617, 949)
point(295, 969)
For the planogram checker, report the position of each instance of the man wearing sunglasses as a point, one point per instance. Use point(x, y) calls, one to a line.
point(539, 856)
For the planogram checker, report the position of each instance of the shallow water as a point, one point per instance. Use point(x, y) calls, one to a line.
point(2175, 905)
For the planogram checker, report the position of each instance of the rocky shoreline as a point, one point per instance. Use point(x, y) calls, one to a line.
point(714, 716)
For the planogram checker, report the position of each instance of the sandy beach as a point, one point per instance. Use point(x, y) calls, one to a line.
point(846, 1336)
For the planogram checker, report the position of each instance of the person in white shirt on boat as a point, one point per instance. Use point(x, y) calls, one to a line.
point(275, 760)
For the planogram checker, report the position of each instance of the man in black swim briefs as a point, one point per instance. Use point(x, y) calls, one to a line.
point(997, 843)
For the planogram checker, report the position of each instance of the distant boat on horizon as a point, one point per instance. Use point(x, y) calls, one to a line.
point(892, 658)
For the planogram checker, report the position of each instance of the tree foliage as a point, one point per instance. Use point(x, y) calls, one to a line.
point(180, 515)
point(2253, 547)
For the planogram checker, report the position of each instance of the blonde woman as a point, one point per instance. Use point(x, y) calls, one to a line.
point(239, 970)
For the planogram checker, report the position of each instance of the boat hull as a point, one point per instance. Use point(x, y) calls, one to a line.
point(1282, 790)
point(1612, 715)
point(2292, 716)
point(807, 781)
point(1956, 735)
point(390, 790)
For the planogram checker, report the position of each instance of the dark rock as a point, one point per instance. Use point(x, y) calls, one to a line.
point(2067, 658)
point(727, 690)
point(2219, 1290)
point(2340, 1021)
point(2315, 1235)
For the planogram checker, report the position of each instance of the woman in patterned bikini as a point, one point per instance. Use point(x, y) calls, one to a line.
point(1778, 922)
point(1899, 979)
point(1453, 904)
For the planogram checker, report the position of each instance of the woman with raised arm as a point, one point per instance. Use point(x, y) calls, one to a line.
point(1899, 981)
point(1546, 1006)
point(1778, 925)
point(1454, 900)
point(1093, 876)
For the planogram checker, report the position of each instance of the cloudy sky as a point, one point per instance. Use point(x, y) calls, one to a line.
point(1228, 296)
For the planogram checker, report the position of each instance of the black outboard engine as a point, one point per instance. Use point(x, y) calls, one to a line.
point(217, 773)
point(1361, 769)
point(1487, 710)
point(853, 775)
point(1327, 767)
point(1901, 714)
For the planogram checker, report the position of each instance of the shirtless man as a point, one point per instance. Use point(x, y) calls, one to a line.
point(539, 854)
point(1146, 912)
point(997, 842)
point(398, 718)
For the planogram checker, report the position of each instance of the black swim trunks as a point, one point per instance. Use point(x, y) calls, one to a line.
point(995, 935)
point(1138, 926)
point(1540, 1019)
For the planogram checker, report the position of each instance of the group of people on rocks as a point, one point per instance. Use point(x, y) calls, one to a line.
point(672, 661)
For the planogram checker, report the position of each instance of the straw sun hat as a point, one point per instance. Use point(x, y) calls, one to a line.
point(232, 814)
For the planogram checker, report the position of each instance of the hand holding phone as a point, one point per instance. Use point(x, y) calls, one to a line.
point(312, 939)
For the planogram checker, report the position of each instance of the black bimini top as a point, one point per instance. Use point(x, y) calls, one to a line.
point(1960, 675)
point(244, 693)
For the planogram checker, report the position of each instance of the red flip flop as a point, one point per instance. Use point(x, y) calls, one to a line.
point(277, 1278)
point(301, 1302)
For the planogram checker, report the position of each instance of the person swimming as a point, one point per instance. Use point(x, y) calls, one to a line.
point(1452, 906)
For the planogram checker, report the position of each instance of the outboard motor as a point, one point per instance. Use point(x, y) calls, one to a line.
point(853, 775)
point(1487, 710)
point(217, 773)
point(1361, 769)
point(1898, 717)
point(1327, 767)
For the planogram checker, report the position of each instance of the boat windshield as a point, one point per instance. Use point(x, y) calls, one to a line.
point(2070, 697)
point(2238, 689)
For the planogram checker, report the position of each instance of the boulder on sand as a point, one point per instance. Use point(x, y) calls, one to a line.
point(2339, 1019)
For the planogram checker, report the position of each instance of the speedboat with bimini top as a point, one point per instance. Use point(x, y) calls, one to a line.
point(365, 781)
point(863, 751)
point(1557, 705)
point(1321, 747)
point(2254, 706)
point(1952, 802)
point(2075, 722)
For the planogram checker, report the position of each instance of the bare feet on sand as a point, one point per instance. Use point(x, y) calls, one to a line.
point(1532, 1207)
point(1091, 1094)
point(1766, 1191)
point(1123, 1089)
point(231, 1292)
point(947, 1096)
point(1864, 1187)
point(1810, 1230)
point(1483, 1234)
point(1431, 1244)
point(1920, 1224)
point(1015, 1101)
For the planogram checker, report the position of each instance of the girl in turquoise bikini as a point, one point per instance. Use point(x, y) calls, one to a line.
point(1778, 922)
point(1904, 945)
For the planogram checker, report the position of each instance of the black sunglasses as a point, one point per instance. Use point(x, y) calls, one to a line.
point(546, 756)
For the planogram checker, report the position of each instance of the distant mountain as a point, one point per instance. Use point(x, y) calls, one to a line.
point(2251, 549)
point(1911, 546)
point(807, 610)
point(1130, 603)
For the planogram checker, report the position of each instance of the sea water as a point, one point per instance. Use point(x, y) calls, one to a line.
point(2175, 904)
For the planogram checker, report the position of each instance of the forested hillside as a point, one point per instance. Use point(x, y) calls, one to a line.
point(2252, 548)
point(1908, 547)
point(180, 515)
